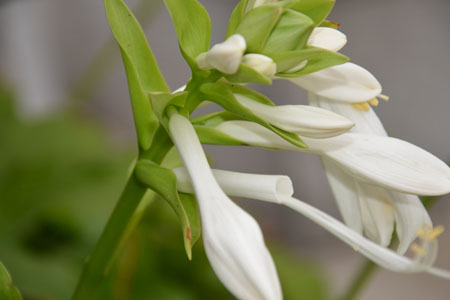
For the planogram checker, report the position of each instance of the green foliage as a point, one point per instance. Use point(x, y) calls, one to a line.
point(7, 290)
point(257, 26)
point(291, 33)
point(321, 60)
point(314, 56)
point(246, 74)
point(317, 10)
point(164, 182)
point(221, 94)
point(192, 25)
point(142, 70)
point(160, 102)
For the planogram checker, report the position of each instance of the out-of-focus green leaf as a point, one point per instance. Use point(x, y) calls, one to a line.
point(324, 59)
point(257, 25)
point(7, 290)
point(192, 25)
point(317, 10)
point(291, 33)
point(164, 182)
point(223, 96)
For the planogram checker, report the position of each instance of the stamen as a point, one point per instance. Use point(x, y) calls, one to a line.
point(384, 97)
point(437, 231)
point(418, 250)
point(364, 106)
point(374, 102)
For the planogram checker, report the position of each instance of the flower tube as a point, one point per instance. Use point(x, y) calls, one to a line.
point(233, 240)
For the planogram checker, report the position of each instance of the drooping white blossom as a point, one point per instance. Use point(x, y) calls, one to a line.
point(233, 240)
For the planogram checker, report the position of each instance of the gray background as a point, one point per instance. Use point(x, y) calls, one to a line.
point(45, 44)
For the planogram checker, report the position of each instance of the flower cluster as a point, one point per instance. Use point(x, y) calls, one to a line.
point(376, 179)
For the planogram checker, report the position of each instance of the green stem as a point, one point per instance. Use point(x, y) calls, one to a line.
point(96, 266)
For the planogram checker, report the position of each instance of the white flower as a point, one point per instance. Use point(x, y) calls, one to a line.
point(278, 189)
point(233, 240)
point(327, 38)
point(300, 119)
point(382, 161)
point(225, 57)
point(347, 82)
point(261, 63)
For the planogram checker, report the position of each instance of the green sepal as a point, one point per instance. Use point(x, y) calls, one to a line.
point(7, 290)
point(164, 182)
point(324, 59)
point(317, 10)
point(291, 33)
point(250, 93)
point(220, 94)
point(289, 59)
point(192, 25)
point(212, 136)
point(160, 102)
point(257, 25)
point(132, 41)
point(246, 74)
point(330, 24)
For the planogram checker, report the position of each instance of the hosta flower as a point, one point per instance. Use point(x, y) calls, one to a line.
point(300, 119)
point(278, 189)
point(233, 240)
point(261, 63)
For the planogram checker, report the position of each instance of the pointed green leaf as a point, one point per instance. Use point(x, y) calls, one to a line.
point(223, 96)
point(145, 121)
point(250, 93)
point(164, 182)
point(257, 25)
point(324, 59)
point(291, 33)
point(246, 74)
point(192, 25)
point(236, 17)
point(290, 59)
point(317, 10)
point(132, 40)
point(7, 290)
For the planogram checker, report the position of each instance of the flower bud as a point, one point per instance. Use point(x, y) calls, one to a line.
point(261, 63)
point(225, 57)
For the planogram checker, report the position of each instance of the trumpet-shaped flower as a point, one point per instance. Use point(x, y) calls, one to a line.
point(225, 57)
point(278, 189)
point(233, 240)
point(300, 119)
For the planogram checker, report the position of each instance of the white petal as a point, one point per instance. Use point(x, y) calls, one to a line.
point(271, 188)
point(233, 240)
point(347, 83)
point(327, 38)
point(410, 215)
point(226, 57)
point(378, 254)
point(344, 189)
point(261, 63)
point(365, 121)
point(300, 119)
point(377, 213)
point(386, 162)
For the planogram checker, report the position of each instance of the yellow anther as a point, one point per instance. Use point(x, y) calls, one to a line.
point(418, 250)
point(421, 232)
point(437, 231)
point(384, 97)
point(374, 102)
point(364, 106)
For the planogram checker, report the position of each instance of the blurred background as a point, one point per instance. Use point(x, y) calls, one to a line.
point(67, 141)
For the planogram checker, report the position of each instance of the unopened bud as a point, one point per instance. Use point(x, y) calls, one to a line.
point(225, 57)
point(261, 63)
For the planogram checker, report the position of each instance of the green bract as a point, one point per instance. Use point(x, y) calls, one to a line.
point(193, 27)
point(164, 182)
